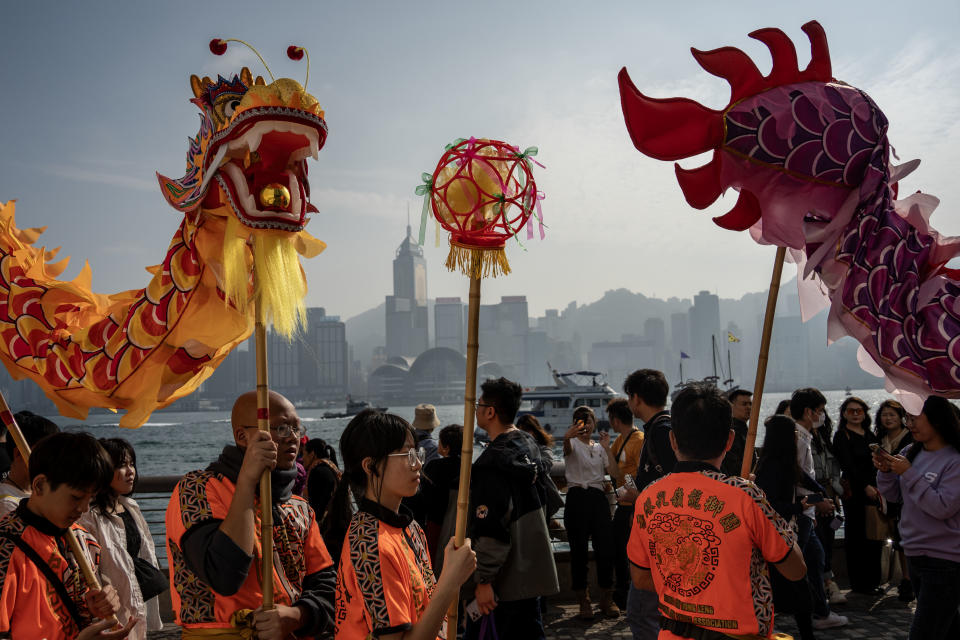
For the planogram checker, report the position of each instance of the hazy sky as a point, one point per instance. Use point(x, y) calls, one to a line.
point(95, 100)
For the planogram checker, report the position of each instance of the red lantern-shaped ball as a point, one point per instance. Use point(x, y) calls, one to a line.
point(483, 192)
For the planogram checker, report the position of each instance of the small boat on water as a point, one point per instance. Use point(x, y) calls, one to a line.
point(553, 405)
point(712, 381)
point(353, 408)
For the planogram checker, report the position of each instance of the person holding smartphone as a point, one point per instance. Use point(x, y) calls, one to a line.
point(894, 437)
point(926, 478)
point(587, 512)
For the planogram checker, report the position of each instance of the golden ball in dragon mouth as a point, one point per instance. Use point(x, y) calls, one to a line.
point(275, 195)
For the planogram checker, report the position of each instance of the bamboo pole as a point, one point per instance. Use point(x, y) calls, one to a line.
point(6, 415)
point(469, 413)
point(266, 489)
point(762, 361)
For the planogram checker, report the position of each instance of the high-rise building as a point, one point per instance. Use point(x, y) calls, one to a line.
point(704, 329)
point(655, 331)
point(448, 325)
point(616, 360)
point(324, 362)
point(680, 333)
point(314, 365)
point(407, 321)
point(503, 333)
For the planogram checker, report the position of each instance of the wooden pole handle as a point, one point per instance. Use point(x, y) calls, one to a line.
point(469, 413)
point(266, 488)
point(762, 361)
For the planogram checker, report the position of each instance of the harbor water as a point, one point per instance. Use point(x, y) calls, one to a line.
point(172, 443)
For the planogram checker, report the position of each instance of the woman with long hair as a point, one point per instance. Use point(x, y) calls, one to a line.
point(127, 556)
point(439, 486)
point(328, 494)
point(779, 474)
point(586, 514)
point(851, 445)
point(385, 584)
point(828, 473)
point(894, 437)
point(926, 478)
point(531, 425)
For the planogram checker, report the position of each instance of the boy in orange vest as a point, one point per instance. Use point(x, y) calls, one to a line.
point(43, 594)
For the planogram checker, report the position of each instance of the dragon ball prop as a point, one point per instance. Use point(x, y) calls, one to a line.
point(482, 192)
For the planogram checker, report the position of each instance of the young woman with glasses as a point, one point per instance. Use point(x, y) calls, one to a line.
point(851, 445)
point(386, 586)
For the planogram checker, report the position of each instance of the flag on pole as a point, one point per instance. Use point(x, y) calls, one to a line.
point(732, 338)
point(684, 356)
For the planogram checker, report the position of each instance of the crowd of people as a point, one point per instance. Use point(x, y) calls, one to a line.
point(697, 543)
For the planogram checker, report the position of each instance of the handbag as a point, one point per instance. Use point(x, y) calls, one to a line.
point(152, 581)
point(488, 628)
point(553, 498)
point(878, 526)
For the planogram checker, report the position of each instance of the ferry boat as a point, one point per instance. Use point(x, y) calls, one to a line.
point(353, 408)
point(554, 405)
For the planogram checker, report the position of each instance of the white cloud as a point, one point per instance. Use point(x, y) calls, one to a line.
point(100, 176)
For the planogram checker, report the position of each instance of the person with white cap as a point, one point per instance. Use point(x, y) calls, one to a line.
point(425, 420)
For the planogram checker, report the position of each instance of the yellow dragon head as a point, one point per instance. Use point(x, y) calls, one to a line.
point(247, 178)
point(253, 138)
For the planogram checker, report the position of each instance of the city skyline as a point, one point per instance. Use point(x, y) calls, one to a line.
point(90, 119)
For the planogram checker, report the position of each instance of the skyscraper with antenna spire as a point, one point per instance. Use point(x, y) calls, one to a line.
point(406, 310)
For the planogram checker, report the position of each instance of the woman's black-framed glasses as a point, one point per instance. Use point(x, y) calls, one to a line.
point(414, 456)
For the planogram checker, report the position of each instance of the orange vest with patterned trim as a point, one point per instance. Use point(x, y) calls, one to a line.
point(29, 605)
point(707, 538)
point(202, 496)
point(385, 579)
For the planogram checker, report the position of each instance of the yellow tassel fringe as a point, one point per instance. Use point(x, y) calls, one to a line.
point(478, 263)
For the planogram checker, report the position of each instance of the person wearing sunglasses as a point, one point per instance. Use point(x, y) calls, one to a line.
point(213, 536)
point(386, 585)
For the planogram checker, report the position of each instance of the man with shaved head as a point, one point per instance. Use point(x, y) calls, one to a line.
point(213, 537)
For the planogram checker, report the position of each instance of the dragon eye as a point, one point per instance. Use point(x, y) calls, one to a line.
point(230, 107)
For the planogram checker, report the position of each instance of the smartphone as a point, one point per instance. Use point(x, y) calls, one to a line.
point(473, 610)
point(874, 447)
point(814, 498)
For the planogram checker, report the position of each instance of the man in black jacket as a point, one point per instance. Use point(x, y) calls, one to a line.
point(515, 564)
point(646, 391)
point(741, 402)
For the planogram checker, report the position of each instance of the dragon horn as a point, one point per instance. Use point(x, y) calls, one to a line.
point(784, 54)
point(671, 128)
point(819, 68)
point(743, 215)
point(734, 66)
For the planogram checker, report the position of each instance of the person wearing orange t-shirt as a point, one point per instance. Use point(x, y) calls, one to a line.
point(386, 587)
point(213, 538)
point(702, 539)
point(43, 594)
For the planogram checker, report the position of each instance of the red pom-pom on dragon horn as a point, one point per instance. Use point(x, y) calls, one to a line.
point(294, 52)
point(218, 47)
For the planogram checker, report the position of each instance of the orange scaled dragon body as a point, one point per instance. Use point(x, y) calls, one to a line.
point(141, 350)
